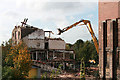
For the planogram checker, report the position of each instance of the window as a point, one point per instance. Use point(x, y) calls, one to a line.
point(18, 34)
point(34, 56)
point(38, 44)
point(46, 45)
point(71, 56)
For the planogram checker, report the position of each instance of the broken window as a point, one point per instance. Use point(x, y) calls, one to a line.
point(38, 44)
point(71, 56)
point(34, 56)
point(46, 45)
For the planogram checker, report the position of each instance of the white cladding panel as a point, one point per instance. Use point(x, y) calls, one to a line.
point(35, 39)
point(34, 43)
point(56, 44)
point(39, 34)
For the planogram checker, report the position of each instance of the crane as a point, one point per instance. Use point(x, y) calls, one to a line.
point(89, 27)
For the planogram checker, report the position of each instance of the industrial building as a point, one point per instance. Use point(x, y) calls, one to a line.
point(44, 50)
point(109, 39)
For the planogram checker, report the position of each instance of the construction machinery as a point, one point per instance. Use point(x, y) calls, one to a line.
point(89, 27)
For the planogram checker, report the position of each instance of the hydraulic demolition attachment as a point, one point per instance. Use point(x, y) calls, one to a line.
point(89, 27)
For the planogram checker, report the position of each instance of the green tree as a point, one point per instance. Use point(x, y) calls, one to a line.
point(84, 49)
point(5, 50)
point(68, 46)
point(77, 47)
point(17, 62)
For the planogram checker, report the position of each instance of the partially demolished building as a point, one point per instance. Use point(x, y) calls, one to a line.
point(44, 49)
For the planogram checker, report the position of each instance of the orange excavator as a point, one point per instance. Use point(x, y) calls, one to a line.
point(89, 27)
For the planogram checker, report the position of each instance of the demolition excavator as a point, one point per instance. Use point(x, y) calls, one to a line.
point(89, 27)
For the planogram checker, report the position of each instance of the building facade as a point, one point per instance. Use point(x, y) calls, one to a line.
point(109, 14)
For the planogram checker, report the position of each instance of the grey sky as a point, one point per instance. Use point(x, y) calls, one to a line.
point(48, 16)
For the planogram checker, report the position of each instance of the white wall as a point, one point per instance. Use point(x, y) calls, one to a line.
point(39, 34)
point(17, 29)
point(35, 39)
point(56, 44)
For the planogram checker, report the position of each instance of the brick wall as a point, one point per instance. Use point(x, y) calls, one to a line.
point(108, 53)
point(108, 38)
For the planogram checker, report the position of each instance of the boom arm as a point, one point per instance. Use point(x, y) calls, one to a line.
point(89, 27)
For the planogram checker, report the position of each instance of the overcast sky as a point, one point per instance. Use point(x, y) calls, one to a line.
point(49, 15)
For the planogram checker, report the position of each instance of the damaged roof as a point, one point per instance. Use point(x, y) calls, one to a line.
point(27, 30)
point(47, 38)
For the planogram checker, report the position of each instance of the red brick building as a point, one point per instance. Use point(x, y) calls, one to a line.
point(109, 14)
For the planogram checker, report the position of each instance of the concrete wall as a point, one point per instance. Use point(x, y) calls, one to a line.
point(34, 43)
point(109, 10)
point(56, 44)
point(35, 39)
point(15, 32)
point(38, 34)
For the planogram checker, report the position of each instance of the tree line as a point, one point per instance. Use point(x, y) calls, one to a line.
point(84, 49)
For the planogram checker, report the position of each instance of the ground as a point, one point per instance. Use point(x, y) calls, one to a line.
point(70, 74)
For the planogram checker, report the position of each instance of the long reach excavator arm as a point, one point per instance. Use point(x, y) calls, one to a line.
point(89, 27)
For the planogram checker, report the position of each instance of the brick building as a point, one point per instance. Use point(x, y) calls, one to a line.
point(109, 14)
